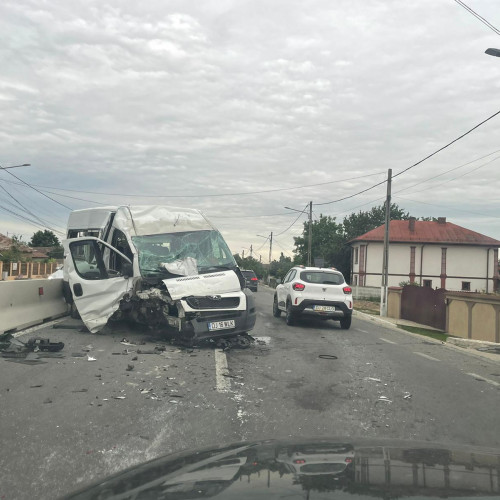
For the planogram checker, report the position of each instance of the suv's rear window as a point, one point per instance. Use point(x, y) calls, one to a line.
point(322, 277)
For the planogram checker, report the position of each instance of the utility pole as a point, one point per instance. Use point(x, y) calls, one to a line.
point(309, 250)
point(385, 265)
point(270, 247)
point(251, 250)
point(243, 253)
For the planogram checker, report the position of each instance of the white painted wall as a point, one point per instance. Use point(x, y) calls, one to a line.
point(463, 263)
point(21, 304)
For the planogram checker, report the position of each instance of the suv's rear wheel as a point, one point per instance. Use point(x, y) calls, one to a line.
point(290, 316)
point(345, 323)
point(276, 310)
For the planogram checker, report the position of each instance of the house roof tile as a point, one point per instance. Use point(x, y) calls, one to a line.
point(428, 232)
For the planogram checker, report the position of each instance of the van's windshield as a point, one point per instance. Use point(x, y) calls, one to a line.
point(208, 249)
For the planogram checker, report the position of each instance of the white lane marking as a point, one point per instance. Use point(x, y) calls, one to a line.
point(426, 356)
point(487, 380)
point(388, 341)
point(38, 327)
point(223, 384)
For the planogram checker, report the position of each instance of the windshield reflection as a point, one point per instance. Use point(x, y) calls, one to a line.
point(270, 469)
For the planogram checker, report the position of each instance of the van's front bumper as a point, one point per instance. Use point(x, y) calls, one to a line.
point(244, 321)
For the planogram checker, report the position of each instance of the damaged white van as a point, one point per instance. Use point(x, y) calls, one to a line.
point(164, 267)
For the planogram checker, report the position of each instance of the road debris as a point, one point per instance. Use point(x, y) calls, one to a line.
point(47, 401)
point(45, 345)
point(407, 395)
point(135, 358)
point(36, 386)
point(118, 397)
point(130, 368)
point(384, 399)
point(372, 378)
point(80, 390)
point(91, 358)
point(78, 354)
point(327, 356)
point(126, 342)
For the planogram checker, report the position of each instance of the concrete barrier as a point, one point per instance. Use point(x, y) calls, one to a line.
point(29, 302)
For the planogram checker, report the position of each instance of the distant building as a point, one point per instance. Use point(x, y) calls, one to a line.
point(6, 244)
point(435, 254)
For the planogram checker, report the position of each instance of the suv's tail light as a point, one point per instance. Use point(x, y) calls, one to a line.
point(298, 287)
point(254, 279)
point(299, 462)
point(347, 290)
point(348, 460)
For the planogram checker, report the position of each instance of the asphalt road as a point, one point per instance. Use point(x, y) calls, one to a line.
point(62, 425)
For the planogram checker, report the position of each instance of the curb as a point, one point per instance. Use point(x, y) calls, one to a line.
point(495, 358)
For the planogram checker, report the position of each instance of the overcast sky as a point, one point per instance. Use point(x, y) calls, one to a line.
point(181, 102)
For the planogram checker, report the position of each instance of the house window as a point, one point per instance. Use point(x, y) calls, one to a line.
point(356, 255)
point(428, 283)
point(466, 286)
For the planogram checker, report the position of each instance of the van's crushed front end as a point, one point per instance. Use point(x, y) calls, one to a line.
point(197, 307)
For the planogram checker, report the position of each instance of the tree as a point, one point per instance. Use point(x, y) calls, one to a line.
point(44, 238)
point(279, 268)
point(327, 239)
point(252, 264)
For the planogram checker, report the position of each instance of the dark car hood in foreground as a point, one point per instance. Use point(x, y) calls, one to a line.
point(312, 469)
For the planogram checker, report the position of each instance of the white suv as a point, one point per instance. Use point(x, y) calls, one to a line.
point(314, 291)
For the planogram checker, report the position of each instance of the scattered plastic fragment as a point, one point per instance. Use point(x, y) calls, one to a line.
point(384, 399)
point(173, 401)
point(130, 368)
point(80, 390)
point(407, 395)
point(118, 397)
point(126, 342)
point(91, 358)
point(35, 386)
point(327, 356)
point(374, 379)
point(135, 358)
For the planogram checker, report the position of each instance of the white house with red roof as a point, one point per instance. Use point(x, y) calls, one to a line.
point(437, 254)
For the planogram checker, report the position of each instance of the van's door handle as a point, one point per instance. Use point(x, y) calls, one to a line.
point(77, 290)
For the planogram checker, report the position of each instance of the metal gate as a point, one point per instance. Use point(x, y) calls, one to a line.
point(424, 305)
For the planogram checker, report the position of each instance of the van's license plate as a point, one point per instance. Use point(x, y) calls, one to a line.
point(221, 325)
point(324, 308)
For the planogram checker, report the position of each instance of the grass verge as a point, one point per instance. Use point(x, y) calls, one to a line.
point(424, 331)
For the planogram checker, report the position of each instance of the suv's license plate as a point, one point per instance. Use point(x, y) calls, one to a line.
point(221, 325)
point(324, 308)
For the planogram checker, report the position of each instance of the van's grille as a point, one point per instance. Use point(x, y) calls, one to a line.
point(213, 303)
point(217, 315)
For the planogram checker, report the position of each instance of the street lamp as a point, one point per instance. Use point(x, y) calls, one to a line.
point(17, 166)
point(493, 52)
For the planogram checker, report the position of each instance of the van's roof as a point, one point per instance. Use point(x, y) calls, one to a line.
point(158, 219)
point(90, 218)
point(141, 220)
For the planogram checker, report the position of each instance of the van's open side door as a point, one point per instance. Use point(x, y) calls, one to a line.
point(97, 290)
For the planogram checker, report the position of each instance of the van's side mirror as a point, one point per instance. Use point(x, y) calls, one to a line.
point(127, 269)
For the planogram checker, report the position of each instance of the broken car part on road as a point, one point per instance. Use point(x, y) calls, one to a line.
point(166, 268)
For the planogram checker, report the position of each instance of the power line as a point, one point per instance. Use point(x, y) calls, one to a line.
point(414, 165)
point(477, 16)
point(292, 224)
point(447, 145)
point(262, 246)
point(450, 208)
point(336, 181)
point(27, 210)
point(32, 187)
point(26, 219)
point(451, 170)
